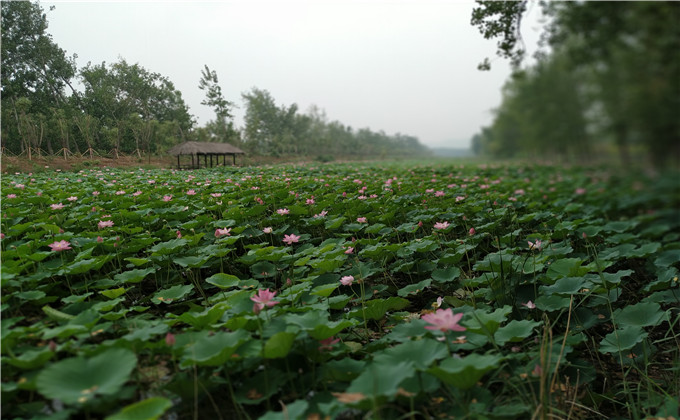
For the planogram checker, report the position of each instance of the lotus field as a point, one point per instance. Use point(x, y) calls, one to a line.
point(348, 291)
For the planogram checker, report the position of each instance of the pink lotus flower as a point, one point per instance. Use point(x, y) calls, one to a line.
point(222, 232)
point(291, 239)
point(310, 201)
point(57, 206)
point(535, 245)
point(580, 191)
point(216, 195)
point(443, 320)
point(322, 214)
point(167, 198)
point(460, 198)
point(441, 225)
point(438, 303)
point(100, 239)
point(283, 211)
point(105, 223)
point(11, 196)
point(136, 193)
point(72, 198)
point(170, 339)
point(121, 192)
point(191, 192)
point(263, 298)
point(472, 231)
point(347, 280)
point(179, 234)
point(529, 304)
point(439, 194)
point(60, 246)
point(267, 230)
point(362, 220)
point(327, 344)
point(349, 250)
point(95, 193)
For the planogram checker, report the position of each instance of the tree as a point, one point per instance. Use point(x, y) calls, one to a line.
point(629, 49)
point(501, 19)
point(33, 68)
point(222, 127)
point(127, 100)
point(269, 129)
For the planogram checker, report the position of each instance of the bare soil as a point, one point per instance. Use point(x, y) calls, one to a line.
point(12, 164)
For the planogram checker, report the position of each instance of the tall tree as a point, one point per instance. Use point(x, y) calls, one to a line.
point(33, 67)
point(128, 98)
point(222, 127)
point(630, 49)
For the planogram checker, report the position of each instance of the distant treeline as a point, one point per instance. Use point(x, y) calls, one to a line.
point(610, 82)
point(124, 108)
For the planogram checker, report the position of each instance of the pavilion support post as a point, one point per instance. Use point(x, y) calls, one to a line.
point(224, 160)
point(234, 156)
point(178, 165)
point(205, 161)
point(192, 161)
point(211, 160)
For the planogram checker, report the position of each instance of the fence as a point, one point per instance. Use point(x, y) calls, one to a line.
point(66, 154)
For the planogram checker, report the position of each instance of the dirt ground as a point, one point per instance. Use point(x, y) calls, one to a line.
point(12, 164)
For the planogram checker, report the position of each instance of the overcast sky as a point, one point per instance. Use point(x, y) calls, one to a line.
point(405, 66)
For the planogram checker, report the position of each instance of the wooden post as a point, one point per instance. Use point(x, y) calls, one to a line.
point(178, 165)
point(234, 156)
point(192, 161)
point(205, 161)
point(211, 160)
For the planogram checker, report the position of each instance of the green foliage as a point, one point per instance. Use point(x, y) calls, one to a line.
point(79, 380)
point(154, 315)
point(612, 73)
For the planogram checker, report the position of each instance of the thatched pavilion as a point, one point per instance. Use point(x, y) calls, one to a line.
point(197, 149)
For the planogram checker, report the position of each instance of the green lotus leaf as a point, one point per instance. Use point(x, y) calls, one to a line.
point(382, 379)
point(377, 308)
point(643, 314)
point(133, 276)
point(113, 293)
point(515, 331)
point(566, 267)
point(223, 281)
point(205, 318)
point(31, 359)
point(78, 380)
point(191, 261)
point(622, 339)
point(482, 322)
point(169, 247)
point(445, 275)
point(329, 329)
point(464, 373)
point(213, 350)
point(149, 409)
point(413, 289)
point(421, 352)
point(172, 294)
point(279, 345)
point(324, 290)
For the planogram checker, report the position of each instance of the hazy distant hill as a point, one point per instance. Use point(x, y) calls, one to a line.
point(451, 152)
